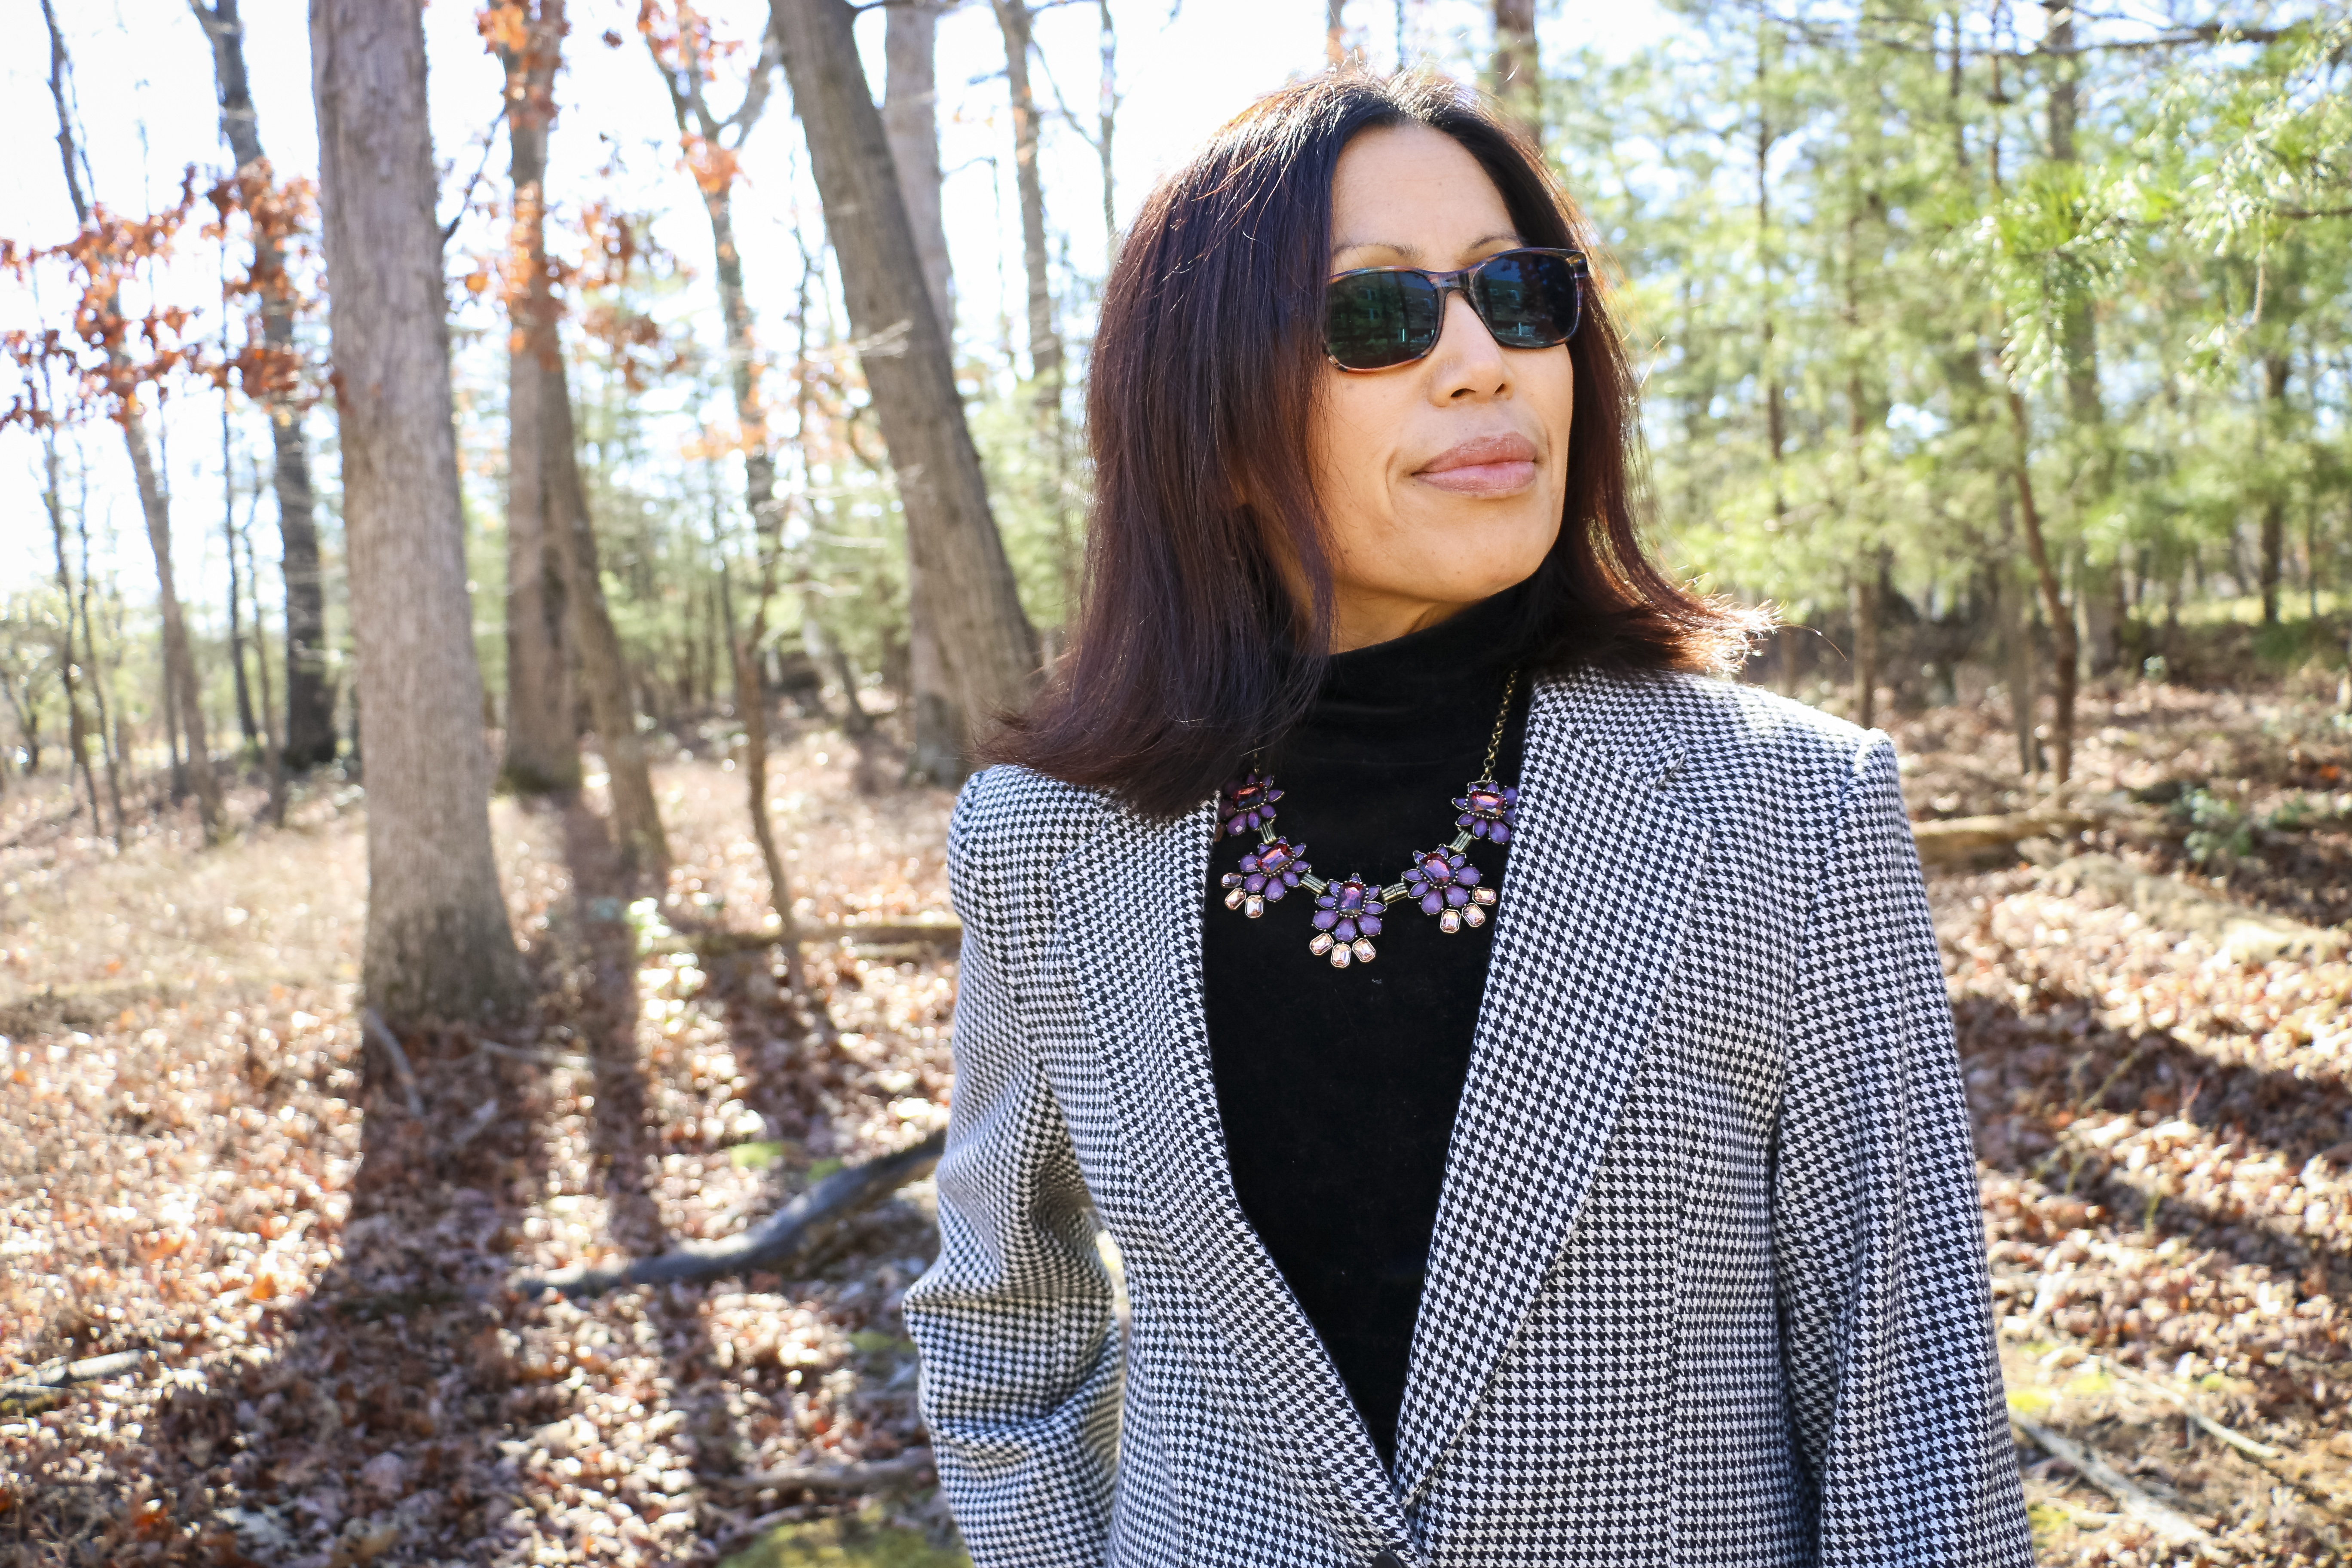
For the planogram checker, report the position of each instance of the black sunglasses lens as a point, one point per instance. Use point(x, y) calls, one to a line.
point(1529, 299)
point(1374, 320)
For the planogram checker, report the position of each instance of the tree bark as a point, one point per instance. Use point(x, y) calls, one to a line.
point(245, 727)
point(911, 120)
point(2064, 650)
point(309, 696)
point(597, 646)
point(179, 660)
point(985, 635)
point(543, 742)
point(1518, 87)
point(2272, 570)
point(1044, 339)
point(437, 940)
point(76, 738)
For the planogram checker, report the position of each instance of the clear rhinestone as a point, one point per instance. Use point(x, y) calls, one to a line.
point(1483, 895)
point(1474, 916)
point(1342, 955)
point(1234, 900)
point(1363, 950)
point(1450, 921)
point(1254, 906)
point(1321, 944)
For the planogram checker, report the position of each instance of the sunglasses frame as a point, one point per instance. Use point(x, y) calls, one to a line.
point(1458, 283)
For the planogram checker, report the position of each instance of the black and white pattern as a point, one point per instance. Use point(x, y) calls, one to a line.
point(1708, 1281)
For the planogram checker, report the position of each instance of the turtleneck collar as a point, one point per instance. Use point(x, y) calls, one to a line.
point(1427, 672)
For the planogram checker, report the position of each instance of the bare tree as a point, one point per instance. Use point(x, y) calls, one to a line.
point(911, 118)
point(990, 650)
point(309, 696)
point(437, 938)
point(155, 502)
point(1044, 338)
point(543, 741)
point(543, 446)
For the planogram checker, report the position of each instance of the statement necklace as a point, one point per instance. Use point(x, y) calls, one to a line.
point(1348, 913)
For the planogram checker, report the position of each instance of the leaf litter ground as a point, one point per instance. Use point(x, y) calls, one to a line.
point(201, 1162)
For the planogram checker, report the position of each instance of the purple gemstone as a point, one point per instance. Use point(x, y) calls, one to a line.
point(1431, 902)
point(1274, 890)
point(1500, 832)
point(1250, 863)
point(1351, 896)
point(1326, 919)
point(1467, 876)
point(1368, 923)
point(1254, 884)
point(1345, 930)
point(1456, 896)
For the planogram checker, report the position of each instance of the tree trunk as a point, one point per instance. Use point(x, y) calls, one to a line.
point(109, 734)
point(1867, 598)
point(910, 118)
point(603, 670)
point(2064, 650)
point(437, 939)
point(1518, 87)
point(1045, 340)
point(154, 503)
point(244, 726)
point(77, 740)
point(179, 661)
point(984, 637)
point(1335, 32)
point(309, 696)
point(543, 742)
point(2272, 570)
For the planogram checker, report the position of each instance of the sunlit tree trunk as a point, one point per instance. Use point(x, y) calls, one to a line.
point(596, 644)
point(911, 118)
point(437, 939)
point(309, 696)
point(985, 635)
point(543, 742)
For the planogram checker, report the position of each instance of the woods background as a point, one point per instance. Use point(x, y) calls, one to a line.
point(496, 606)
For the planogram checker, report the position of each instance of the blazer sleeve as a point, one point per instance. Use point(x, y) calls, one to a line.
point(1019, 1349)
point(1879, 1239)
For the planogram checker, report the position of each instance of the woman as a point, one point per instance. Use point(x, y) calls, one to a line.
point(1523, 1097)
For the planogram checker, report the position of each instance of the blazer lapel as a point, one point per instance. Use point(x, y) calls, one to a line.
point(1128, 919)
point(1593, 901)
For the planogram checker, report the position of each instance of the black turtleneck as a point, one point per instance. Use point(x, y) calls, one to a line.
point(1338, 1088)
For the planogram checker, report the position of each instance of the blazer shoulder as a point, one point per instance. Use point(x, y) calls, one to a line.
point(1740, 743)
point(1011, 827)
point(1015, 809)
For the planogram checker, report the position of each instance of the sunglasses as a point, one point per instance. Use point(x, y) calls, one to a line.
point(1378, 316)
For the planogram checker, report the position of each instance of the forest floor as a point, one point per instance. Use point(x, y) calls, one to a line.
point(197, 1161)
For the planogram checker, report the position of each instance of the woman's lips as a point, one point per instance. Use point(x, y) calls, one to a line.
point(1487, 466)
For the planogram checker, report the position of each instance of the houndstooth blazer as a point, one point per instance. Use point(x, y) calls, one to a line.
point(1707, 1284)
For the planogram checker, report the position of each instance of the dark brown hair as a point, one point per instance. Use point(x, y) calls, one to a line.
point(1188, 650)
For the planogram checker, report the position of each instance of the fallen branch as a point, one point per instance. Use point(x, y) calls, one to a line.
point(768, 1245)
point(1959, 840)
point(939, 931)
point(372, 1024)
point(914, 1468)
point(2204, 1422)
point(2175, 1527)
point(545, 1058)
point(44, 1389)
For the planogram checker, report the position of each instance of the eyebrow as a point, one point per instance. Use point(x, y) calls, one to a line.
point(1412, 252)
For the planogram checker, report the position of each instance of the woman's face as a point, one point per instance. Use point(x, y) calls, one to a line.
point(1441, 481)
